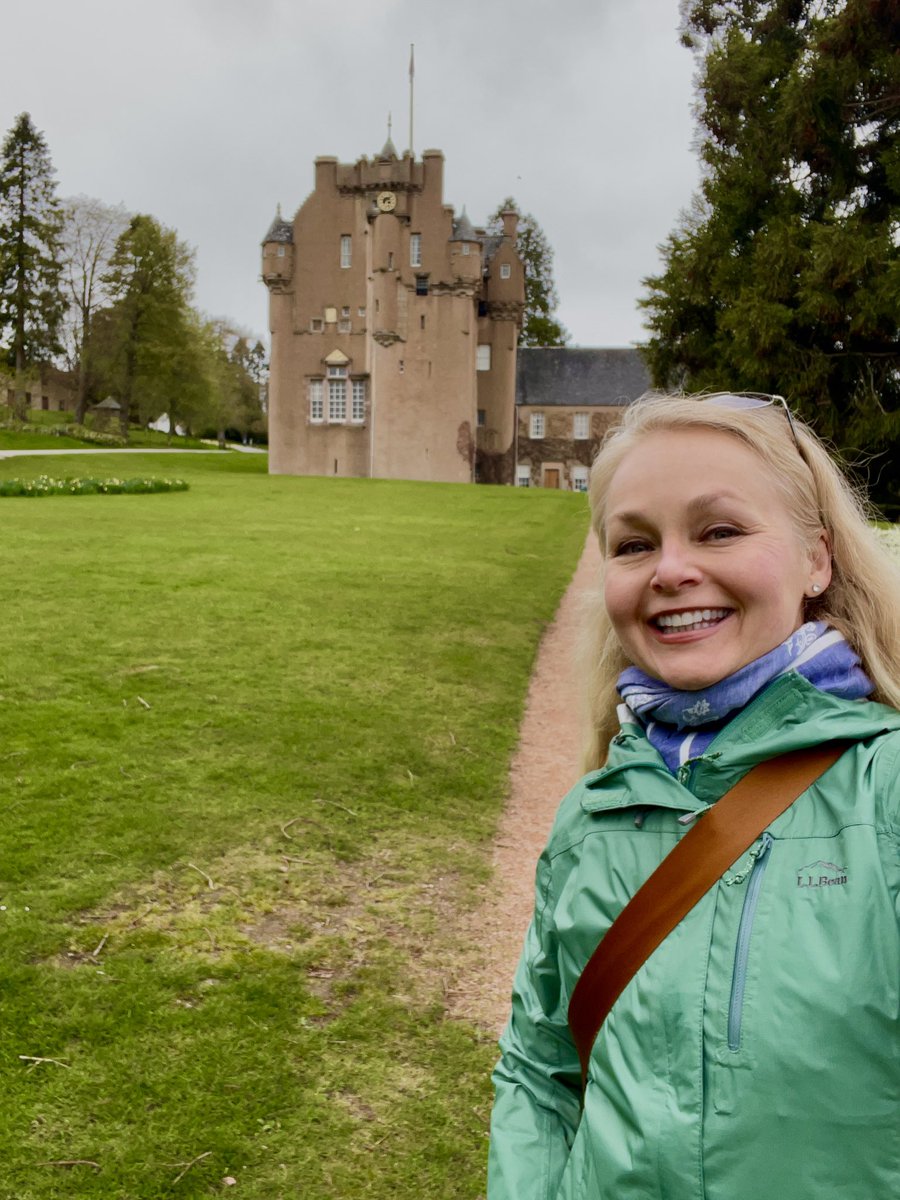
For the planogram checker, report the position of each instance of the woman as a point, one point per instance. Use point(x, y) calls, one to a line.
point(748, 610)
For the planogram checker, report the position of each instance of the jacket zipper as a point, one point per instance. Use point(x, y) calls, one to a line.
point(742, 949)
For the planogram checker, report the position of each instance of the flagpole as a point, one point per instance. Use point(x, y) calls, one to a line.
point(412, 74)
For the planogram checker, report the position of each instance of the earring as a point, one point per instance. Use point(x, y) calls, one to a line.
point(816, 588)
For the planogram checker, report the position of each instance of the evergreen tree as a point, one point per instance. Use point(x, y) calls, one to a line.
point(31, 302)
point(249, 368)
point(540, 327)
point(257, 365)
point(147, 335)
point(785, 275)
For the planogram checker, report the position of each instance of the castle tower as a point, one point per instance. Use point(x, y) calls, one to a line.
point(379, 316)
point(500, 319)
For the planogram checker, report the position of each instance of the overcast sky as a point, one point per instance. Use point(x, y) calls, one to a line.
point(206, 113)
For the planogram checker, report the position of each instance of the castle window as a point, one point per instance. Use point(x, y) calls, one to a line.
point(330, 316)
point(345, 326)
point(536, 425)
point(415, 249)
point(337, 400)
point(523, 475)
point(483, 358)
point(421, 285)
point(581, 426)
point(482, 418)
point(505, 270)
point(358, 401)
point(422, 321)
point(466, 248)
point(345, 311)
point(361, 312)
point(281, 251)
point(315, 325)
point(390, 260)
point(482, 308)
point(346, 249)
point(579, 479)
point(316, 402)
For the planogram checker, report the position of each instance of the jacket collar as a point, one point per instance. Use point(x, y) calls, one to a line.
point(787, 715)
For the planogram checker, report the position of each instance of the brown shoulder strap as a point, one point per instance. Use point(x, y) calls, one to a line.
point(686, 874)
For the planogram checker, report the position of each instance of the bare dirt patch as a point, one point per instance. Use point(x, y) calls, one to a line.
point(336, 920)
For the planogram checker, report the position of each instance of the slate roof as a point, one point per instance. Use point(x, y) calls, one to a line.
point(491, 243)
point(280, 230)
point(555, 375)
point(464, 230)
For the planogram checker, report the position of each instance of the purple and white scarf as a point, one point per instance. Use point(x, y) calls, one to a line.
point(681, 725)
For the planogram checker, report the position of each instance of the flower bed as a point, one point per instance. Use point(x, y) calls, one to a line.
point(80, 433)
point(43, 485)
point(99, 437)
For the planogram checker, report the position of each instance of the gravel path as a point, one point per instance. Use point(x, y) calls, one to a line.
point(544, 767)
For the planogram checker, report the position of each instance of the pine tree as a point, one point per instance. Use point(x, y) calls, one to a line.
point(31, 301)
point(149, 330)
point(785, 275)
point(540, 326)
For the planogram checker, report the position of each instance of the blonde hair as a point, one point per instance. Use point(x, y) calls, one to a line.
point(863, 598)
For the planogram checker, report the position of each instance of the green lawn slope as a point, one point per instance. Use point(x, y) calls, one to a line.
point(41, 433)
point(253, 744)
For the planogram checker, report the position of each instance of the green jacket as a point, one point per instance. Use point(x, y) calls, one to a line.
point(757, 1052)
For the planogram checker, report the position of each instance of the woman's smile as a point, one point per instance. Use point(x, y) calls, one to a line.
point(694, 620)
point(704, 570)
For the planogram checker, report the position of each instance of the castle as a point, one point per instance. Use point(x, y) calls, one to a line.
point(394, 326)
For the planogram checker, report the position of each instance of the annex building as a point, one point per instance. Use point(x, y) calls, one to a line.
point(394, 325)
point(566, 400)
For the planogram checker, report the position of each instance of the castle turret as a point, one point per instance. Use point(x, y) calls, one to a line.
point(465, 251)
point(278, 252)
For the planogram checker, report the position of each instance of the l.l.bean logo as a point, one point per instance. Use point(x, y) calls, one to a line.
point(821, 874)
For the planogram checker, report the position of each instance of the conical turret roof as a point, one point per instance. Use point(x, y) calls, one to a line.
point(463, 229)
point(280, 230)
point(389, 150)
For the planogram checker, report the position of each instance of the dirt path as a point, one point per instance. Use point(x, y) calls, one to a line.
point(545, 766)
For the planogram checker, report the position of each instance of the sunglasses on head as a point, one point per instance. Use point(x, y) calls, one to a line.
point(745, 400)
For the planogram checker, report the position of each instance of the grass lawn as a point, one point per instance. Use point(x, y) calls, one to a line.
point(36, 440)
point(254, 743)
